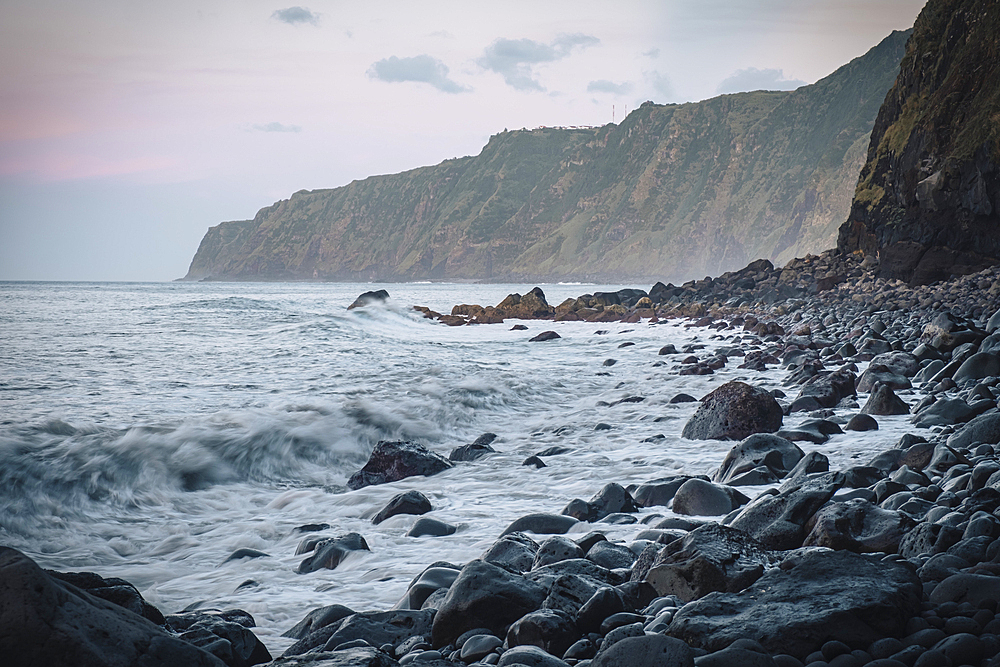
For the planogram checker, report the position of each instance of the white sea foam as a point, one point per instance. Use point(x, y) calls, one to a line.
point(151, 430)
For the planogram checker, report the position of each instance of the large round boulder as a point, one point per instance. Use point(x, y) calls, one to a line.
point(732, 412)
point(393, 461)
point(776, 453)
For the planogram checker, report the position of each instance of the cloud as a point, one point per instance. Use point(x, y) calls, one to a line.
point(662, 86)
point(652, 53)
point(752, 78)
point(514, 58)
point(294, 15)
point(422, 69)
point(277, 127)
point(605, 86)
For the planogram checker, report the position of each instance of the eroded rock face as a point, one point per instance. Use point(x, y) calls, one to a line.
point(734, 411)
point(49, 622)
point(711, 558)
point(811, 599)
point(393, 461)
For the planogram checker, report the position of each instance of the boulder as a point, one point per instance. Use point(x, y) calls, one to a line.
point(778, 521)
point(529, 656)
point(316, 619)
point(513, 551)
point(114, 590)
point(484, 596)
point(883, 401)
point(875, 374)
point(647, 651)
point(611, 499)
point(224, 634)
point(611, 555)
point(861, 422)
point(46, 622)
point(531, 306)
point(811, 599)
point(381, 627)
point(944, 411)
point(328, 553)
point(433, 578)
point(982, 429)
point(354, 656)
point(857, 525)
point(470, 452)
point(410, 502)
point(551, 630)
point(816, 431)
point(659, 492)
point(812, 462)
point(898, 362)
point(376, 296)
point(393, 461)
point(978, 366)
point(827, 389)
point(700, 498)
point(544, 336)
point(732, 412)
point(777, 454)
point(555, 549)
point(710, 558)
point(433, 527)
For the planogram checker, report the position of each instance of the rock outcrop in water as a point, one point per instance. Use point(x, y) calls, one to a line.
point(671, 192)
point(928, 200)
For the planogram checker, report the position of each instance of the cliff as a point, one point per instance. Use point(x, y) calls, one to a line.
point(673, 192)
point(927, 200)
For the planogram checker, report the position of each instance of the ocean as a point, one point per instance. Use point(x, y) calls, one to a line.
point(149, 430)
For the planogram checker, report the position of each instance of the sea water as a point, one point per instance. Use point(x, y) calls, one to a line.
point(147, 431)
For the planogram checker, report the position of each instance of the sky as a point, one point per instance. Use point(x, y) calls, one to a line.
point(128, 127)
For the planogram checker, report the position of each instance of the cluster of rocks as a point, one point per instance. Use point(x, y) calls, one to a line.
point(893, 562)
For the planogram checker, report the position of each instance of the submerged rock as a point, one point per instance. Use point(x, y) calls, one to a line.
point(410, 502)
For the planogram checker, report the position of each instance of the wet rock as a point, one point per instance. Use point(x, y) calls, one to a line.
point(611, 499)
point(857, 525)
point(776, 453)
point(967, 587)
point(861, 422)
point(646, 651)
point(978, 366)
point(555, 549)
point(380, 628)
point(514, 552)
point(478, 647)
point(611, 555)
point(816, 431)
point(531, 306)
point(943, 412)
point(883, 401)
point(604, 602)
point(541, 524)
point(700, 498)
point(551, 630)
point(529, 656)
point(330, 552)
point(368, 298)
point(50, 622)
point(811, 599)
point(731, 656)
point(224, 634)
point(825, 390)
point(471, 452)
point(711, 558)
point(117, 591)
point(351, 656)
point(898, 362)
point(876, 374)
point(246, 553)
point(661, 491)
point(438, 576)
point(433, 527)
point(812, 462)
point(533, 461)
point(409, 502)
point(484, 596)
point(982, 429)
point(778, 521)
point(544, 336)
point(316, 619)
point(393, 461)
point(732, 412)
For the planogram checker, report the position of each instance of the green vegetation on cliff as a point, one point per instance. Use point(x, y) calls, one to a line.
point(673, 192)
point(927, 200)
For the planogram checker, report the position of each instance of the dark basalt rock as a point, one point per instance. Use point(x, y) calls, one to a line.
point(544, 336)
point(514, 552)
point(427, 526)
point(732, 412)
point(700, 498)
point(825, 390)
point(433, 578)
point(316, 619)
point(816, 431)
point(470, 452)
point(859, 526)
point(811, 599)
point(861, 422)
point(393, 461)
point(611, 499)
point(50, 622)
point(661, 491)
point(777, 454)
point(646, 651)
point(778, 521)
point(883, 401)
point(409, 502)
point(982, 429)
point(114, 590)
point(353, 656)
point(329, 553)
point(541, 524)
point(379, 628)
point(226, 635)
point(376, 296)
point(555, 549)
point(551, 630)
point(711, 558)
point(484, 596)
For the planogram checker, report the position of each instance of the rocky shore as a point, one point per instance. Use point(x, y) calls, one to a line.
point(892, 561)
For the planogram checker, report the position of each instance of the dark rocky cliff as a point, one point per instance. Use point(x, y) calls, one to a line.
point(673, 192)
point(928, 200)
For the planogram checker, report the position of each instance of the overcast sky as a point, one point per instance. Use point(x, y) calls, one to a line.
point(128, 127)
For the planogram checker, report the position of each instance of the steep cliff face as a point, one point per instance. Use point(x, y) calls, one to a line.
point(673, 192)
point(928, 199)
